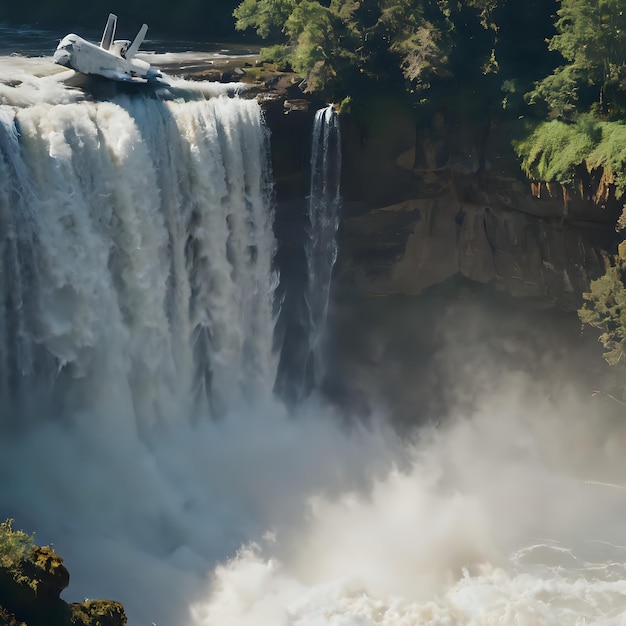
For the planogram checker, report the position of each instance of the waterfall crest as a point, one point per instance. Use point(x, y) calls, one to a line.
point(138, 254)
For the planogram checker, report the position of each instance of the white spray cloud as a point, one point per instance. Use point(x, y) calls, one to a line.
point(498, 519)
point(126, 515)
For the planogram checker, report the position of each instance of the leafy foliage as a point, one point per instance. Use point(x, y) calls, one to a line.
point(584, 100)
point(15, 545)
point(558, 94)
point(604, 308)
point(555, 149)
point(421, 55)
point(591, 38)
point(339, 45)
point(320, 42)
point(264, 16)
point(278, 55)
point(610, 154)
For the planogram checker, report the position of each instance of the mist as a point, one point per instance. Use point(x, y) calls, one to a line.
point(509, 508)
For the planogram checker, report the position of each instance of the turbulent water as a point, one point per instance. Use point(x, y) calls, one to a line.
point(139, 434)
point(140, 249)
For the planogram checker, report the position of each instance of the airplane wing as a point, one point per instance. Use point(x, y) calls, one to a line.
point(120, 76)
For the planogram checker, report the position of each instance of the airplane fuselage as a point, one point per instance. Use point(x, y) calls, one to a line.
point(113, 59)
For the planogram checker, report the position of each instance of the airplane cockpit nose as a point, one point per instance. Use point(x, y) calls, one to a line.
point(65, 50)
point(63, 54)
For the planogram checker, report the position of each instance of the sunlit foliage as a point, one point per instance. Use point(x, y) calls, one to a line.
point(15, 545)
point(340, 44)
point(591, 37)
point(605, 308)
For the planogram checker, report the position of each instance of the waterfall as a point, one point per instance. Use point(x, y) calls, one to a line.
point(324, 205)
point(136, 255)
point(138, 430)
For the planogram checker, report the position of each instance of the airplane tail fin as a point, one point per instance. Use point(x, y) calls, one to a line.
point(109, 32)
point(132, 50)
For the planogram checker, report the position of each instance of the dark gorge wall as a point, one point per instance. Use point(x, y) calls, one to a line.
point(291, 129)
point(443, 212)
point(423, 203)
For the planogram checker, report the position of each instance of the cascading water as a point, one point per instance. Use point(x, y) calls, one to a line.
point(324, 204)
point(139, 250)
point(139, 435)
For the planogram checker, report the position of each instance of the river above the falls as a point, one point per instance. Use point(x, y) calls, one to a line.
point(174, 56)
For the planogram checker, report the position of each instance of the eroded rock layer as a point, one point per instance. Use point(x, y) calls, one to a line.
point(421, 206)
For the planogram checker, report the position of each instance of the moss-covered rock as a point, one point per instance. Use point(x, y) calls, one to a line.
point(30, 589)
point(97, 613)
point(31, 581)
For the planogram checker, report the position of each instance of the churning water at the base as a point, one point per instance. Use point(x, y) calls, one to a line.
point(138, 433)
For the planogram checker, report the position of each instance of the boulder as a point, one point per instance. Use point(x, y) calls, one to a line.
point(97, 613)
point(30, 595)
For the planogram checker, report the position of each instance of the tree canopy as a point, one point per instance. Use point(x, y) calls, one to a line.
point(605, 309)
point(577, 110)
point(343, 47)
point(591, 38)
point(337, 44)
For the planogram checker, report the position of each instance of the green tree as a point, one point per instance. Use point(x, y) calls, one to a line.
point(265, 16)
point(591, 37)
point(15, 545)
point(604, 308)
point(321, 43)
point(417, 35)
point(338, 44)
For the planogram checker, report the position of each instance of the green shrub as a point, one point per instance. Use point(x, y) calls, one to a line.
point(15, 545)
point(604, 308)
point(610, 154)
point(278, 55)
point(554, 149)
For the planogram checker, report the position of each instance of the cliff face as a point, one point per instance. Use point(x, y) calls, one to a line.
point(423, 205)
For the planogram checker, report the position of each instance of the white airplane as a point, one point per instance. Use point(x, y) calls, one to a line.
point(113, 58)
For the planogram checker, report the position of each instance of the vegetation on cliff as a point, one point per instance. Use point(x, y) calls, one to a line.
point(591, 37)
point(605, 309)
point(15, 545)
point(346, 47)
point(555, 150)
point(31, 581)
point(555, 70)
point(561, 66)
point(415, 45)
point(581, 104)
